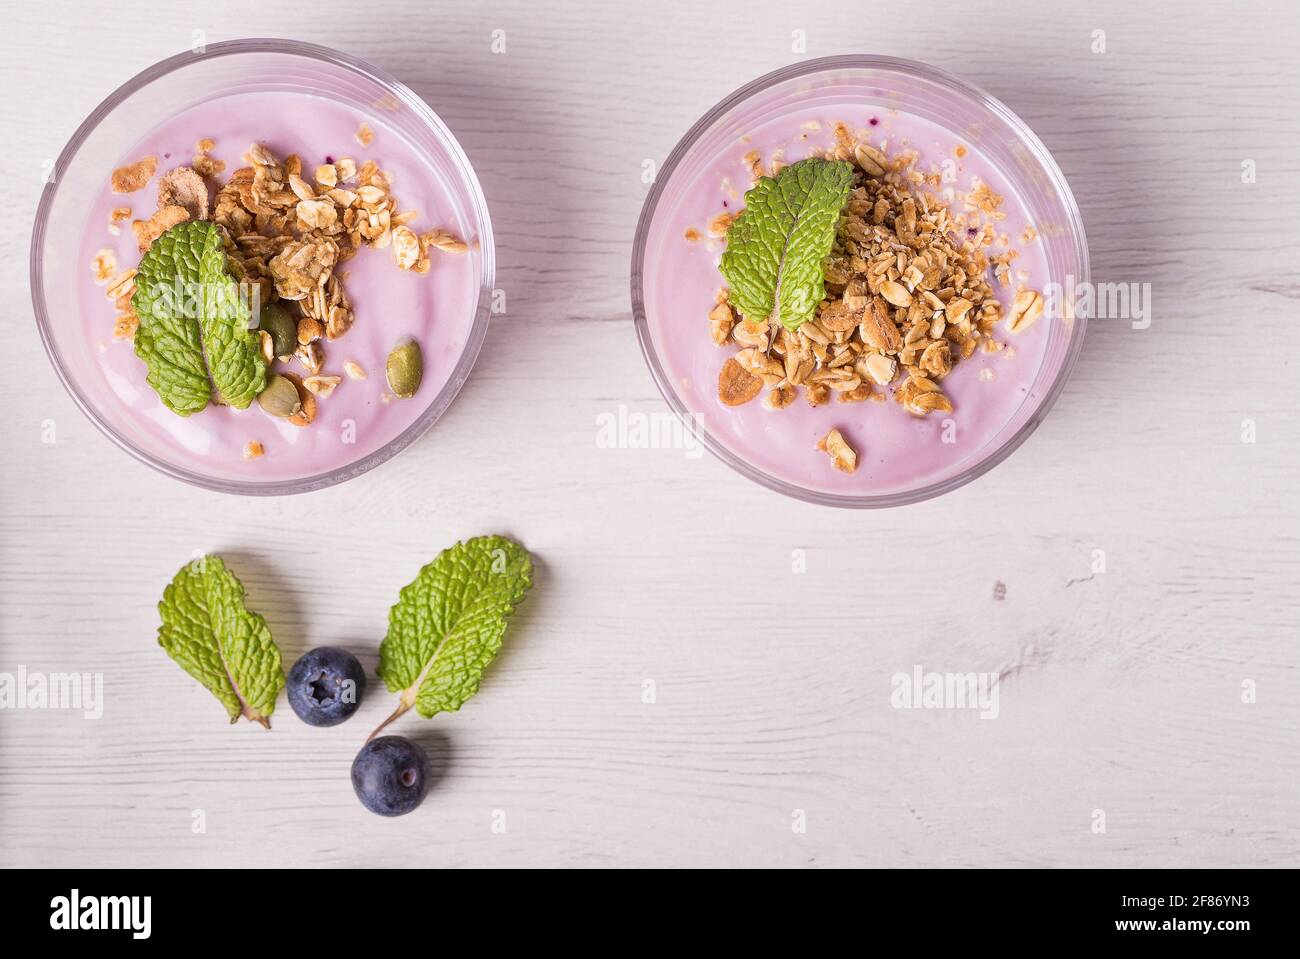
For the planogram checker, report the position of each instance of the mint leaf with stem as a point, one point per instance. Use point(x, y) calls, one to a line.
point(776, 247)
point(448, 624)
point(212, 635)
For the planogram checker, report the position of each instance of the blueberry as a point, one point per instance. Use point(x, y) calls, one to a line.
point(326, 686)
point(390, 775)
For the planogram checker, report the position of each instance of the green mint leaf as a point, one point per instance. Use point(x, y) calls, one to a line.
point(167, 340)
point(207, 629)
point(775, 248)
point(194, 330)
point(448, 623)
point(230, 338)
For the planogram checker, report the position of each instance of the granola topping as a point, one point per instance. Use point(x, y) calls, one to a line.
point(133, 176)
point(842, 455)
point(288, 231)
point(909, 296)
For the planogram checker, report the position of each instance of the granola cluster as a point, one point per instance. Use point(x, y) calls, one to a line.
point(908, 297)
point(286, 235)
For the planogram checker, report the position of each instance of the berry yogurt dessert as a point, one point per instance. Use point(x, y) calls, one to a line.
point(856, 309)
point(262, 267)
point(349, 294)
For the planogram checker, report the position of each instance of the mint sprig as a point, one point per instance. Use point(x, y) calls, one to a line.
point(207, 629)
point(194, 334)
point(448, 624)
point(775, 248)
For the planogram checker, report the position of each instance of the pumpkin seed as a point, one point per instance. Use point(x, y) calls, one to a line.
point(405, 369)
point(282, 327)
point(280, 398)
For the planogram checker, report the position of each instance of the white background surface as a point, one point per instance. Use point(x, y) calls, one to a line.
point(1122, 691)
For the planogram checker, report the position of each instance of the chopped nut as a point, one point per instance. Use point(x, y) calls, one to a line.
point(748, 333)
point(721, 320)
point(133, 176)
point(1025, 309)
point(309, 330)
point(779, 397)
point(253, 449)
point(354, 370)
point(843, 457)
point(880, 368)
point(871, 160)
point(327, 176)
point(445, 241)
point(321, 385)
point(937, 359)
point(310, 356)
point(736, 385)
point(760, 364)
point(895, 293)
point(406, 247)
point(928, 402)
point(365, 135)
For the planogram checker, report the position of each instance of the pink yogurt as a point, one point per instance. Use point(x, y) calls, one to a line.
point(897, 451)
point(437, 309)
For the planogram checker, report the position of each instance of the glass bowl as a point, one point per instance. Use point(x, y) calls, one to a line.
point(894, 88)
point(167, 89)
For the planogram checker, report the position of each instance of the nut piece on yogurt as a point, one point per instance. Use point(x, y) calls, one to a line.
point(1025, 309)
point(736, 385)
point(843, 458)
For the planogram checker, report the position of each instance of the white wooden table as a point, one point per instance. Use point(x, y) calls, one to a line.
point(1122, 691)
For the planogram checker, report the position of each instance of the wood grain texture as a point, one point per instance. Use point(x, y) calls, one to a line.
point(1121, 690)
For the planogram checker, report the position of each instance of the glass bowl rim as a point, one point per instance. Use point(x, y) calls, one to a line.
point(760, 85)
point(478, 330)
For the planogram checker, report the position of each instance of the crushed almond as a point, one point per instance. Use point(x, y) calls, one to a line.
point(253, 449)
point(843, 457)
point(736, 385)
point(354, 370)
point(322, 385)
point(365, 135)
point(443, 240)
point(1025, 310)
